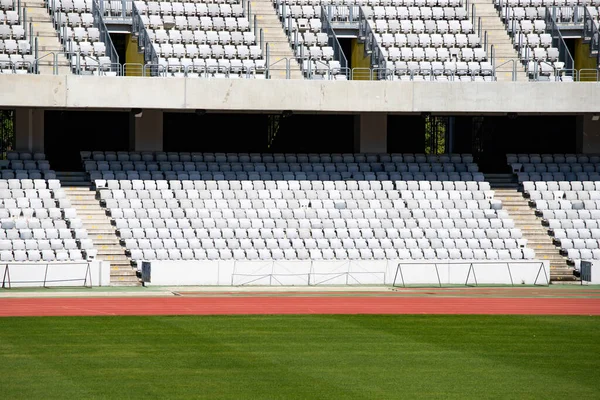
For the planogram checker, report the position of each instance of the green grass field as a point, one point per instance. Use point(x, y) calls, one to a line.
point(300, 357)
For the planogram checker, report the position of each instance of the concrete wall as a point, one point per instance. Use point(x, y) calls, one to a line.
point(296, 95)
point(29, 126)
point(148, 131)
point(55, 274)
point(371, 130)
point(313, 273)
point(588, 135)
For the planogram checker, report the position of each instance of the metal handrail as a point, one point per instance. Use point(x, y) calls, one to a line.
point(37, 62)
point(557, 40)
point(591, 35)
point(287, 68)
point(111, 52)
point(372, 48)
point(338, 53)
point(584, 74)
point(144, 42)
point(514, 69)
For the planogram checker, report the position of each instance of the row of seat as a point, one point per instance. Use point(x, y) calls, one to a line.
point(44, 255)
point(11, 46)
point(290, 176)
point(228, 217)
point(558, 176)
point(198, 36)
point(230, 24)
point(331, 254)
point(127, 219)
point(436, 59)
point(554, 167)
point(292, 185)
point(9, 17)
point(216, 51)
point(15, 32)
point(566, 204)
point(79, 6)
point(331, 244)
point(31, 193)
point(74, 19)
point(534, 40)
point(573, 221)
point(527, 26)
point(552, 158)
point(407, 26)
point(269, 157)
point(338, 233)
point(41, 165)
point(448, 42)
point(576, 255)
point(373, 3)
point(590, 235)
point(190, 9)
point(277, 167)
point(396, 198)
point(548, 215)
point(567, 195)
point(41, 237)
point(423, 13)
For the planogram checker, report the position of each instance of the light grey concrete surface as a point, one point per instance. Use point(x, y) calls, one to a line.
point(296, 95)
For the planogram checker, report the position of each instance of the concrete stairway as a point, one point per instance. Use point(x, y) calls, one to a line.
point(83, 198)
point(48, 41)
point(498, 36)
point(274, 35)
point(506, 190)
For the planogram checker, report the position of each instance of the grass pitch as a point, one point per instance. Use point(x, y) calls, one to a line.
point(300, 357)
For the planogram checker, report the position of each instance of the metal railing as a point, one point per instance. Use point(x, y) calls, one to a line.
point(372, 48)
point(111, 52)
point(591, 35)
point(558, 42)
point(332, 40)
point(116, 10)
point(144, 43)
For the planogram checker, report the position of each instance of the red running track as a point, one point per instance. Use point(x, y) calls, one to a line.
point(294, 305)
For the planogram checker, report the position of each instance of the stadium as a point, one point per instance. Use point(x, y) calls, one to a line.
point(285, 199)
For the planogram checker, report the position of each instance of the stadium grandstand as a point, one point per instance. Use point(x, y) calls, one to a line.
point(323, 139)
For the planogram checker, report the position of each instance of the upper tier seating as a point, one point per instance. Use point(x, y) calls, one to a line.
point(419, 39)
point(569, 207)
point(203, 39)
point(76, 28)
point(525, 22)
point(37, 222)
point(301, 219)
point(15, 50)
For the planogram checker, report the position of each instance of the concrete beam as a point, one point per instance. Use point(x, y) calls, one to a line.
point(148, 131)
point(589, 134)
point(297, 95)
point(371, 131)
point(29, 129)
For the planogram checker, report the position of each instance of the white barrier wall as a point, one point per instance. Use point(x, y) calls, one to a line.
point(54, 274)
point(313, 273)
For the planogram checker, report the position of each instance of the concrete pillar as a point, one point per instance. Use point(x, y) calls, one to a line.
point(370, 133)
point(588, 134)
point(29, 129)
point(146, 131)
